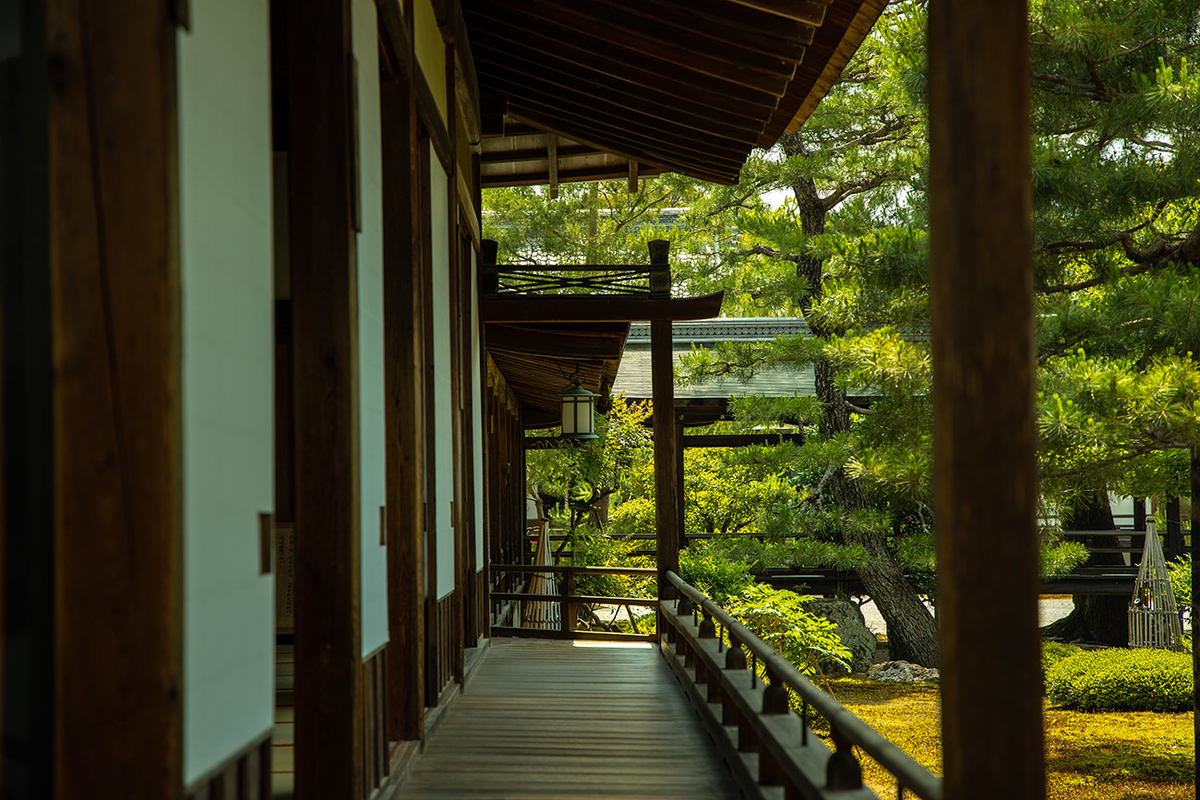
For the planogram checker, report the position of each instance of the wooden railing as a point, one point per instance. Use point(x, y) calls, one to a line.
point(509, 593)
point(765, 743)
point(564, 280)
point(568, 279)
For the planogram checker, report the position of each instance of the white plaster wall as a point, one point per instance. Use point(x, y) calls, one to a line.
point(443, 412)
point(372, 464)
point(228, 453)
point(477, 414)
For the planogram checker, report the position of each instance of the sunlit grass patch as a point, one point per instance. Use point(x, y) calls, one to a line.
point(1089, 756)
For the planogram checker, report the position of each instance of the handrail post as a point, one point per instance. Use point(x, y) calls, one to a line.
point(660, 268)
point(566, 607)
point(843, 771)
point(489, 273)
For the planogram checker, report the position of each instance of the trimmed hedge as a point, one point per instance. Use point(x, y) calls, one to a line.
point(1122, 680)
point(1054, 652)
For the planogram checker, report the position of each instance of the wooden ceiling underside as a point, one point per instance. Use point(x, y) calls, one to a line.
point(687, 87)
point(538, 359)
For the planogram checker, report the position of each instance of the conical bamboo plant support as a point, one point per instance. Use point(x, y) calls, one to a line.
point(1153, 616)
point(542, 614)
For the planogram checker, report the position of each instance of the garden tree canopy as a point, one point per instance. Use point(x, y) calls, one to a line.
point(1116, 120)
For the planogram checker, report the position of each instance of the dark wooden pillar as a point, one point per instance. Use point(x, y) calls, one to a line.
point(95, 525)
point(1174, 547)
point(1195, 491)
point(403, 358)
point(985, 477)
point(681, 509)
point(666, 476)
point(1138, 543)
point(329, 736)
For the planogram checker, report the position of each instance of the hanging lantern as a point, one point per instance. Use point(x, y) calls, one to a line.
point(578, 421)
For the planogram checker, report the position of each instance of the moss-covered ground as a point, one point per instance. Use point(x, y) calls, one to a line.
point(1114, 756)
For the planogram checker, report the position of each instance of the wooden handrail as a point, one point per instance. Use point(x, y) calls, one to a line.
point(567, 599)
point(574, 569)
point(787, 753)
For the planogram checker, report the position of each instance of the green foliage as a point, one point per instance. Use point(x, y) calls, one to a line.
point(1122, 680)
point(1181, 582)
point(719, 578)
point(1054, 652)
point(591, 548)
point(778, 618)
point(1060, 557)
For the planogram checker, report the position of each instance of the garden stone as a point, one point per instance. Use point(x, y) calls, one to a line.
point(852, 629)
point(903, 672)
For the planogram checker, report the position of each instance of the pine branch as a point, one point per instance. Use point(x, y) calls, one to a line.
point(770, 252)
point(852, 188)
point(1162, 253)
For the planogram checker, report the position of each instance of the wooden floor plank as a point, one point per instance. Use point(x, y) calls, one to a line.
point(553, 719)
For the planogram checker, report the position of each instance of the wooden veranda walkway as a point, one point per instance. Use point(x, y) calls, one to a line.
point(561, 719)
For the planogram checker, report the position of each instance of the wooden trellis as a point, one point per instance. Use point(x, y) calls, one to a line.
point(1153, 616)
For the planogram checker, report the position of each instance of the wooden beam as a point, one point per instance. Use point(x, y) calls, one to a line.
point(552, 160)
point(564, 176)
point(587, 309)
point(510, 73)
point(620, 62)
point(788, 9)
point(329, 730)
point(633, 176)
point(619, 142)
point(710, 55)
point(985, 467)
point(404, 397)
point(490, 156)
point(542, 341)
point(596, 35)
point(733, 24)
point(669, 125)
point(109, 269)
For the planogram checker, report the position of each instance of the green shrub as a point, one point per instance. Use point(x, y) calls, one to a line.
point(707, 568)
point(777, 616)
point(1054, 652)
point(1122, 680)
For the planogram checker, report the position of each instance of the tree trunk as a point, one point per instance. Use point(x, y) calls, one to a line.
point(1096, 618)
point(912, 631)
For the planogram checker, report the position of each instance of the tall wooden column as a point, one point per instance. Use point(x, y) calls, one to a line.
point(403, 367)
point(666, 475)
point(1195, 481)
point(92, 359)
point(329, 736)
point(985, 477)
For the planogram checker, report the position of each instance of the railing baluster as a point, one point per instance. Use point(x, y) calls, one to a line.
point(842, 771)
point(775, 695)
point(804, 726)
